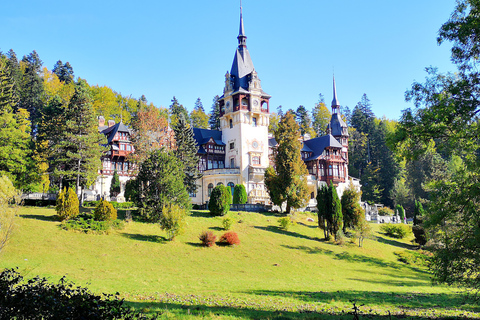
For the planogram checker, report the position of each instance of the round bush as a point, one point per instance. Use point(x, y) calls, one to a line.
point(105, 211)
point(220, 201)
point(230, 238)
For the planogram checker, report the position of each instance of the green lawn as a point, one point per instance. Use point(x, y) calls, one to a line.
point(272, 274)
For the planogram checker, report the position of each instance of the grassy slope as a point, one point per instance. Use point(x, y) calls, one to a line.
point(271, 270)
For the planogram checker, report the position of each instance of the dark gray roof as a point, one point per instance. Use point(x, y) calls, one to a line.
point(272, 143)
point(336, 125)
point(335, 102)
point(202, 136)
point(317, 145)
point(110, 132)
point(242, 67)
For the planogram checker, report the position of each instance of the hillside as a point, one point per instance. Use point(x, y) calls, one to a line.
point(271, 273)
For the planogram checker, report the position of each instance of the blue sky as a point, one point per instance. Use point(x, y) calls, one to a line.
point(183, 48)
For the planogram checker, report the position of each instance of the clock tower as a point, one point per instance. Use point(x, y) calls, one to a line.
point(244, 111)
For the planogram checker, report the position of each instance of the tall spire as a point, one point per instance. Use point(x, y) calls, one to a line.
point(335, 103)
point(242, 38)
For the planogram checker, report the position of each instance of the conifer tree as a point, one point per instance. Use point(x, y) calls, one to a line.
point(239, 194)
point(77, 150)
point(198, 116)
point(288, 181)
point(64, 72)
point(186, 152)
point(321, 117)
point(304, 121)
point(323, 207)
point(175, 110)
point(115, 185)
point(336, 211)
point(214, 120)
point(32, 88)
point(351, 210)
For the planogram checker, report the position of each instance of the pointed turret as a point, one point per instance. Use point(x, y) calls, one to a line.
point(335, 103)
point(242, 38)
point(337, 127)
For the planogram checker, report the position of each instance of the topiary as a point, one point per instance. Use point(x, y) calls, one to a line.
point(207, 238)
point(105, 211)
point(230, 238)
point(220, 201)
point(67, 206)
point(239, 194)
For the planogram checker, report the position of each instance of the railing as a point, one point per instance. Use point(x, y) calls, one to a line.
point(120, 153)
point(221, 171)
point(39, 196)
point(120, 173)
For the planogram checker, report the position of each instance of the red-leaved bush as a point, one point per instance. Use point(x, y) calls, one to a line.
point(207, 238)
point(230, 238)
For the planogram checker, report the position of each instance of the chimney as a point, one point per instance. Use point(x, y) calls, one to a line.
point(101, 121)
point(111, 123)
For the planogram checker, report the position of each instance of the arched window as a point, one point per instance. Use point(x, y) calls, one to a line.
point(210, 188)
point(219, 184)
point(256, 160)
point(312, 195)
point(232, 186)
point(231, 123)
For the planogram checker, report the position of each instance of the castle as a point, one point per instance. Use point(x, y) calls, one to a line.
point(241, 151)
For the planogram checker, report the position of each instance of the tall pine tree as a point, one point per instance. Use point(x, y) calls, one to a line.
point(186, 152)
point(175, 110)
point(214, 120)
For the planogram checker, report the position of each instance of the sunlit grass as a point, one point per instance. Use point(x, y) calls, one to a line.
point(270, 272)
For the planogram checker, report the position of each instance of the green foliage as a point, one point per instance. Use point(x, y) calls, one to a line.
point(399, 230)
point(228, 222)
point(67, 206)
point(172, 220)
point(199, 117)
point(9, 198)
point(87, 224)
point(37, 298)
point(230, 238)
point(419, 258)
point(131, 189)
point(239, 194)
point(115, 185)
point(286, 223)
point(362, 231)
point(321, 117)
point(220, 201)
point(160, 183)
point(400, 211)
point(175, 110)
point(186, 152)
point(386, 211)
point(336, 212)
point(304, 121)
point(351, 210)
point(207, 238)
point(214, 120)
point(115, 204)
point(287, 182)
point(105, 211)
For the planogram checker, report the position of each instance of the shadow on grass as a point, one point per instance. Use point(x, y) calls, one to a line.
point(40, 217)
point(279, 230)
point(195, 244)
point(201, 214)
point(145, 237)
point(372, 299)
point(216, 228)
point(395, 243)
point(308, 225)
point(346, 256)
point(315, 311)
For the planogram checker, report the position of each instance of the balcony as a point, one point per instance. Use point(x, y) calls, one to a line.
point(210, 172)
point(120, 153)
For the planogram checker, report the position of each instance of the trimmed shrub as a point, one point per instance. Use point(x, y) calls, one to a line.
point(37, 298)
point(220, 201)
point(230, 238)
point(207, 238)
point(89, 225)
point(401, 212)
point(115, 185)
point(228, 222)
point(285, 223)
point(105, 211)
point(172, 220)
point(239, 194)
point(399, 231)
point(67, 204)
point(386, 211)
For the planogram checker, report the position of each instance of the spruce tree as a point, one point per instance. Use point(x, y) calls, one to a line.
point(336, 211)
point(214, 120)
point(115, 185)
point(77, 150)
point(31, 91)
point(323, 205)
point(64, 72)
point(175, 110)
point(198, 116)
point(186, 152)
point(288, 181)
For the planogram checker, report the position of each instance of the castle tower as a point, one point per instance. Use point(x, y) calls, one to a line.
point(338, 128)
point(244, 111)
